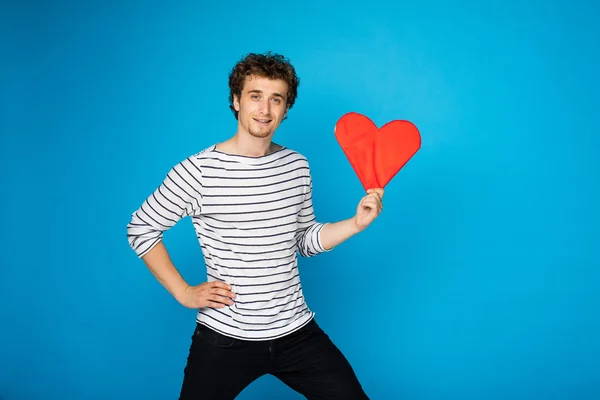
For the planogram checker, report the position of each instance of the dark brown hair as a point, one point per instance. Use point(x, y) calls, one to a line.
point(266, 65)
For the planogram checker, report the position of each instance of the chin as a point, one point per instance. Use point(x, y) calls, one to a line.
point(260, 134)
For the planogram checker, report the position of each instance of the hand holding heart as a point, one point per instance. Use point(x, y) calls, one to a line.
point(368, 208)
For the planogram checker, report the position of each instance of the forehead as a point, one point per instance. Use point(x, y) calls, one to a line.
point(265, 85)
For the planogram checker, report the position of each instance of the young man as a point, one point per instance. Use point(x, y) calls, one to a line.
point(250, 201)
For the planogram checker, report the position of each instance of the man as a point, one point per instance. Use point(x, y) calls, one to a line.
point(250, 201)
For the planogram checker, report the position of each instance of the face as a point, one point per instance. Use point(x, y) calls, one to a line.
point(262, 106)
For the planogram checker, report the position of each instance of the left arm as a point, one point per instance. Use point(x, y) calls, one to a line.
point(368, 209)
point(315, 237)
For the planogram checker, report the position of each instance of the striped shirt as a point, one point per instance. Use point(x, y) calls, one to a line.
point(252, 216)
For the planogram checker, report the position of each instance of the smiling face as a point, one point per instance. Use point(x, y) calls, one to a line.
point(262, 106)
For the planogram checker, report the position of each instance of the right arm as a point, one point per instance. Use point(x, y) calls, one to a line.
point(178, 196)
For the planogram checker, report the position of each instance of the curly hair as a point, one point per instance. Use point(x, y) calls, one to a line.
point(266, 65)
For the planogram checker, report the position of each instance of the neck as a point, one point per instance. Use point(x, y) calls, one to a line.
point(248, 145)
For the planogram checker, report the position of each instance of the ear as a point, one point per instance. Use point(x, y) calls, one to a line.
point(236, 102)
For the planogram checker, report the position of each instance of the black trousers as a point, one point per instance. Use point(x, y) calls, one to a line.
point(220, 367)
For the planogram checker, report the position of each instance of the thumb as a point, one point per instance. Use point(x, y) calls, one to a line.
point(379, 191)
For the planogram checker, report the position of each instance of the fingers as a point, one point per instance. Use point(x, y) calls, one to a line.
point(377, 194)
point(223, 288)
point(372, 205)
point(373, 200)
point(378, 191)
point(220, 284)
point(222, 300)
point(224, 293)
point(218, 294)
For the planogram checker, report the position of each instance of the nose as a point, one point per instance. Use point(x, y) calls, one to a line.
point(264, 107)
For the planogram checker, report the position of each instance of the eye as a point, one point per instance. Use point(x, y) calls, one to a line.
point(277, 100)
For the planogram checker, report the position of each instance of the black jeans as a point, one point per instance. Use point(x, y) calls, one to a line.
point(220, 367)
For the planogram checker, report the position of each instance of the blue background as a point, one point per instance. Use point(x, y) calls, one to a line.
point(479, 280)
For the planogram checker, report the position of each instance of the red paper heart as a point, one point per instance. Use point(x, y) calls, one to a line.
point(376, 154)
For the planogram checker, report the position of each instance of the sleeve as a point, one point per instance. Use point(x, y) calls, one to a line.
point(178, 196)
point(308, 234)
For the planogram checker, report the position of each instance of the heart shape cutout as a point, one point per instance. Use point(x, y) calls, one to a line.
point(376, 154)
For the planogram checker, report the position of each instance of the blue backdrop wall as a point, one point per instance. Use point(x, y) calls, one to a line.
point(479, 280)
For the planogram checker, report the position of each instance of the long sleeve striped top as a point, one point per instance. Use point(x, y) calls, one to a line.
point(252, 216)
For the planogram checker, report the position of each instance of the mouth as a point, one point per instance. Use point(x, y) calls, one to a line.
point(263, 121)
